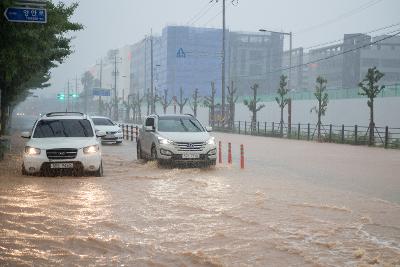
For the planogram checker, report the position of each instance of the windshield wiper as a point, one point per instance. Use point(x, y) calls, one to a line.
point(183, 125)
point(195, 125)
point(84, 129)
point(64, 132)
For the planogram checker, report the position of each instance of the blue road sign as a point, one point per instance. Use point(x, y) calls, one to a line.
point(101, 92)
point(26, 14)
point(180, 53)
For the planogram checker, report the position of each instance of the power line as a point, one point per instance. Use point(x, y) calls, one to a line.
point(360, 34)
point(212, 18)
point(342, 16)
point(278, 56)
point(324, 58)
point(198, 13)
point(202, 14)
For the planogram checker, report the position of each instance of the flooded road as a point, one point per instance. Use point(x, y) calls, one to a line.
point(296, 204)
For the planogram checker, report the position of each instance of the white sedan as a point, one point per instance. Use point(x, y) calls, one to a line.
point(113, 131)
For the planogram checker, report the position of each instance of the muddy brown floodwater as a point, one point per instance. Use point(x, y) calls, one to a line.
point(296, 204)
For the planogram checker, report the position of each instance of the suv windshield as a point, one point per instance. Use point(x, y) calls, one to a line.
point(63, 128)
point(179, 124)
point(102, 122)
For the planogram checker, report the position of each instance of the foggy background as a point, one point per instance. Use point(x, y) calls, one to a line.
point(113, 24)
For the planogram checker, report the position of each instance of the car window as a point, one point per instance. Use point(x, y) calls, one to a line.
point(150, 122)
point(63, 128)
point(102, 122)
point(179, 124)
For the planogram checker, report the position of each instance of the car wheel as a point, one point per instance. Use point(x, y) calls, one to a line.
point(139, 154)
point(153, 153)
point(99, 172)
point(210, 164)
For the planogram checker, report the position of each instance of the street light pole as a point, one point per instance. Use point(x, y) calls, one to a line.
point(223, 61)
point(115, 89)
point(290, 52)
point(290, 61)
point(68, 97)
point(101, 78)
point(152, 74)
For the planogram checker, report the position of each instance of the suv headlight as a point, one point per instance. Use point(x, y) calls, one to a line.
point(32, 151)
point(91, 149)
point(164, 141)
point(211, 141)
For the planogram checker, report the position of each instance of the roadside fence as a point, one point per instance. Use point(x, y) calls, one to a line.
point(344, 134)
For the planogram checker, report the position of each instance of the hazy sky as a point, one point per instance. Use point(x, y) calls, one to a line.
point(114, 23)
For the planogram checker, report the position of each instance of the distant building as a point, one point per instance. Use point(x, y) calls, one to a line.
point(299, 78)
point(190, 58)
point(344, 65)
point(140, 68)
point(385, 55)
point(255, 58)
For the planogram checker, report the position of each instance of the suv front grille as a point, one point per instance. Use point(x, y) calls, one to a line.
point(183, 146)
point(61, 153)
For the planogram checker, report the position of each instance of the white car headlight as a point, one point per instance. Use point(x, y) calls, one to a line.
point(32, 151)
point(91, 149)
point(119, 130)
point(211, 141)
point(164, 141)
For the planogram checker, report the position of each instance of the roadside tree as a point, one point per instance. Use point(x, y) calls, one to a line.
point(322, 98)
point(253, 106)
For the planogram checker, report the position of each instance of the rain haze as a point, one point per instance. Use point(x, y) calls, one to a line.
point(113, 24)
point(140, 133)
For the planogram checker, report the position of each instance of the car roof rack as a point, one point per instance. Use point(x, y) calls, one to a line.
point(52, 114)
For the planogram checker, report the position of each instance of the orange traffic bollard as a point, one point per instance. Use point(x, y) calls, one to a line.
point(241, 157)
point(219, 152)
point(229, 153)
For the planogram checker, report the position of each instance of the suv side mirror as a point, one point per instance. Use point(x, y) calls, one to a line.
point(149, 128)
point(209, 129)
point(100, 133)
point(26, 135)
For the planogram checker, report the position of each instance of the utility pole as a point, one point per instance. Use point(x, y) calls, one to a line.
point(115, 89)
point(115, 72)
point(223, 61)
point(76, 94)
point(290, 61)
point(101, 79)
point(68, 96)
point(152, 74)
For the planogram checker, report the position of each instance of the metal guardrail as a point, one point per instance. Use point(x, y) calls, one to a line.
point(355, 135)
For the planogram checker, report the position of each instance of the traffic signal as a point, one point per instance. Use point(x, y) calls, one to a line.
point(60, 96)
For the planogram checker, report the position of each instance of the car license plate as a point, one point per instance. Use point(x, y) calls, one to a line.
point(61, 165)
point(190, 156)
point(110, 136)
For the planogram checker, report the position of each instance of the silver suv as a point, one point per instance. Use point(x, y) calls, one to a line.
point(173, 139)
